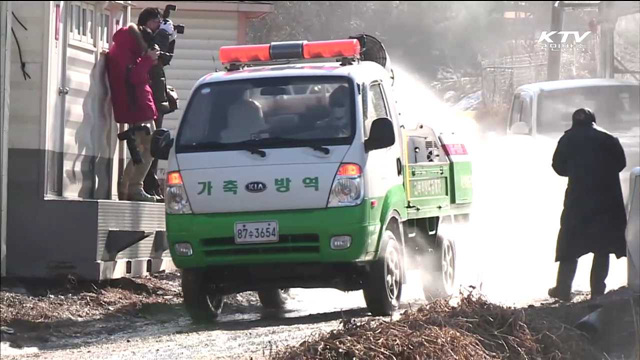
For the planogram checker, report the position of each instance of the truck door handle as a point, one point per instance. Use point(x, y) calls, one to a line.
point(399, 165)
point(63, 91)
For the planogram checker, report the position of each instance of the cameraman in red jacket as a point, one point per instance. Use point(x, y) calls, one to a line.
point(129, 62)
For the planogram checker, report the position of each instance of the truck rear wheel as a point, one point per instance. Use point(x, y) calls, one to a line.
point(383, 288)
point(272, 299)
point(200, 300)
point(439, 281)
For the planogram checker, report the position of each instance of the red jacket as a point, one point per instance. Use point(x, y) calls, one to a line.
point(128, 70)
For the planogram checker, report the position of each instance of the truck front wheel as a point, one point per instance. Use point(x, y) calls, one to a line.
point(272, 299)
point(200, 300)
point(383, 288)
point(439, 280)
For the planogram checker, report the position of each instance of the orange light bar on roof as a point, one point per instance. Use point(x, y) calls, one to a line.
point(289, 51)
point(331, 49)
point(245, 53)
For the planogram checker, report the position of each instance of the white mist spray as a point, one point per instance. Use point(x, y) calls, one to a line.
point(508, 249)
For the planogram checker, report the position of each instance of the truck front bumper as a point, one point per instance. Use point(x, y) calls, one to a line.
point(304, 237)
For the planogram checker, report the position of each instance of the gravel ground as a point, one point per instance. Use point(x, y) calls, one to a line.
point(144, 318)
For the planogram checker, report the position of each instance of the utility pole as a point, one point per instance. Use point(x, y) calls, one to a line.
point(606, 40)
point(555, 55)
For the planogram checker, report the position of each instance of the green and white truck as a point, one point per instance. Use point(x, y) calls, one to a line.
point(291, 170)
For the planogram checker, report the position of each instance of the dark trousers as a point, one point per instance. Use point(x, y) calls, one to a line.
point(151, 184)
point(599, 272)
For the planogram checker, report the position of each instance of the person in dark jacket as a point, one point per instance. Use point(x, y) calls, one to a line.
point(128, 62)
point(594, 217)
point(162, 39)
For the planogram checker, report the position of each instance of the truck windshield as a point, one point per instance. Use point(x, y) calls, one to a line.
point(616, 107)
point(269, 113)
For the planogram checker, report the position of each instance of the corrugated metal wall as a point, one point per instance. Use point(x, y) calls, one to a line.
point(79, 140)
point(112, 216)
point(26, 94)
point(5, 78)
point(77, 123)
point(88, 123)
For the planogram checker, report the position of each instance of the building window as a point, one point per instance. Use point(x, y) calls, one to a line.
point(82, 24)
point(74, 29)
point(105, 34)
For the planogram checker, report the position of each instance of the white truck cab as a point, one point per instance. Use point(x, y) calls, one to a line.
point(289, 175)
point(239, 131)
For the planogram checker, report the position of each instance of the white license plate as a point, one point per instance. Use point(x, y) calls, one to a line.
point(256, 232)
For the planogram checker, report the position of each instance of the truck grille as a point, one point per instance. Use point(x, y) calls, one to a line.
point(287, 244)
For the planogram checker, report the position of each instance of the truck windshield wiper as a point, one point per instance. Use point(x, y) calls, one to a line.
point(254, 146)
point(248, 146)
point(323, 149)
point(256, 151)
point(286, 141)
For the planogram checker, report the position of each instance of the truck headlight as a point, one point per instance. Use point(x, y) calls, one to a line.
point(183, 249)
point(176, 200)
point(347, 189)
point(340, 242)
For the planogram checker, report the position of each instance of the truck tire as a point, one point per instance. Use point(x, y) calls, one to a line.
point(201, 302)
point(272, 299)
point(439, 281)
point(383, 287)
point(463, 218)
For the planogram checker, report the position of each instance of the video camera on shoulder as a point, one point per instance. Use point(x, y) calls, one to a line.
point(165, 38)
point(179, 28)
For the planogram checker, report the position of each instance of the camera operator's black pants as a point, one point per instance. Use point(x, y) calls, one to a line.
point(599, 271)
point(151, 183)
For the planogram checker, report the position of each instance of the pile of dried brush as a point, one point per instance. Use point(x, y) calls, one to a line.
point(474, 329)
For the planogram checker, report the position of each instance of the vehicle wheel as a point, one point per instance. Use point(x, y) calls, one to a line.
point(463, 218)
point(383, 288)
point(201, 302)
point(272, 299)
point(439, 280)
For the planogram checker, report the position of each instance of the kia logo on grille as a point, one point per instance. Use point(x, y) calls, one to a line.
point(256, 187)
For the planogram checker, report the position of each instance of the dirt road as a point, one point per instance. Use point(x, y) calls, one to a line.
point(163, 331)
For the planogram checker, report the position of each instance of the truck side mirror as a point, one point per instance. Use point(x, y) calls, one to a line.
point(381, 135)
point(161, 143)
point(520, 128)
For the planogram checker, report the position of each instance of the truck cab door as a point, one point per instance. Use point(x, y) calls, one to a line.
point(384, 166)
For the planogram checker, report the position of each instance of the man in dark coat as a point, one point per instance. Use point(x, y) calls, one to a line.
point(594, 217)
